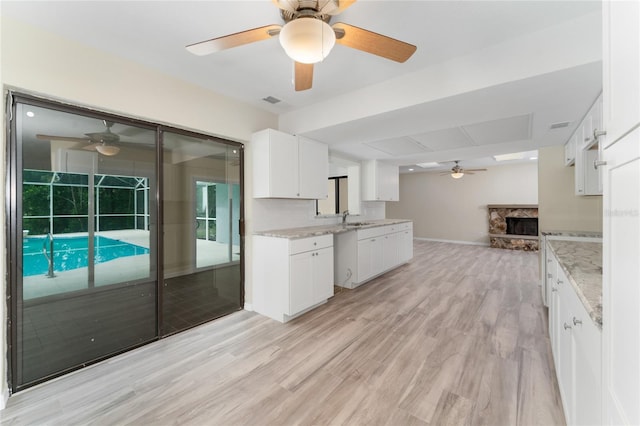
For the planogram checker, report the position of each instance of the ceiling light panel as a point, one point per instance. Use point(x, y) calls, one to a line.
point(444, 139)
point(500, 131)
point(397, 146)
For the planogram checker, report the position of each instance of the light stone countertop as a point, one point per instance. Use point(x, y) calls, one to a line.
point(582, 263)
point(314, 231)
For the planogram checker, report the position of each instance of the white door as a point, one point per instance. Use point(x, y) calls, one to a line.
point(621, 218)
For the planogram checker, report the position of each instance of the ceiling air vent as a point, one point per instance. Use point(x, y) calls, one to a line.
point(271, 100)
point(560, 125)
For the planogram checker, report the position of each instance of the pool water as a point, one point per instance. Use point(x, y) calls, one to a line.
point(72, 253)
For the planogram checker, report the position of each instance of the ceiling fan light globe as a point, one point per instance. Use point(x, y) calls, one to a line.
point(457, 175)
point(108, 150)
point(307, 40)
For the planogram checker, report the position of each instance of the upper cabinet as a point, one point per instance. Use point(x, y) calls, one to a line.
point(585, 147)
point(380, 181)
point(286, 166)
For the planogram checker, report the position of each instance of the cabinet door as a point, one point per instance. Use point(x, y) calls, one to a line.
point(365, 259)
point(390, 251)
point(591, 173)
point(389, 182)
point(275, 164)
point(621, 275)
point(621, 67)
point(570, 151)
point(301, 282)
point(566, 359)
point(405, 246)
point(322, 274)
point(579, 172)
point(313, 168)
point(588, 369)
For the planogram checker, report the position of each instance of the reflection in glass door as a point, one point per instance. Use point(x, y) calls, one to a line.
point(83, 236)
point(201, 215)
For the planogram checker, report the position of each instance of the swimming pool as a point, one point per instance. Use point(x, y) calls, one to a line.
point(72, 253)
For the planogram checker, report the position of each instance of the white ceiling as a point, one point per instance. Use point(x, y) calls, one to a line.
point(487, 77)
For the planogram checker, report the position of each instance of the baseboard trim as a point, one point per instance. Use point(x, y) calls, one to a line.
point(437, 240)
point(248, 307)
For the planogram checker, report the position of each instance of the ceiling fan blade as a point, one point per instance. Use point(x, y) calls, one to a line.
point(288, 5)
point(342, 5)
point(91, 147)
point(303, 76)
point(233, 40)
point(61, 138)
point(475, 170)
point(370, 42)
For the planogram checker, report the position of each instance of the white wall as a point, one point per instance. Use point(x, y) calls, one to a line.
point(38, 62)
point(450, 209)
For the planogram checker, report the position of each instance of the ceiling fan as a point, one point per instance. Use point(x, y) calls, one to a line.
point(307, 37)
point(104, 142)
point(457, 172)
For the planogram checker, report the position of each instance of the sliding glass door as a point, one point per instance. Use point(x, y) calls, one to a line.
point(201, 199)
point(96, 265)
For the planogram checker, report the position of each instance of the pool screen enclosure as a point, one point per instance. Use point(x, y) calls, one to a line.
point(108, 247)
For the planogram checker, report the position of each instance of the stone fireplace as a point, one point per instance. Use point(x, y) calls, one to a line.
point(513, 226)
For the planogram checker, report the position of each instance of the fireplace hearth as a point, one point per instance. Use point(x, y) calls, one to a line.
point(513, 226)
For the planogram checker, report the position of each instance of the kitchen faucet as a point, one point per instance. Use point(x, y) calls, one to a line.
point(344, 216)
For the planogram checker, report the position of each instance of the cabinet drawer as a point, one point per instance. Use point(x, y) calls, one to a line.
point(307, 244)
point(405, 226)
point(372, 232)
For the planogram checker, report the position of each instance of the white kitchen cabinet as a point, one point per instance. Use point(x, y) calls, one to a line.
point(570, 151)
point(313, 166)
point(405, 242)
point(291, 276)
point(588, 177)
point(390, 250)
point(364, 254)
point(380, 181)
point(576, 344)
point(370, 257)
point(621, 204)
point(286, 166)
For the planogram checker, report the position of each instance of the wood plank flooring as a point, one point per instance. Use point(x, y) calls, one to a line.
point(458, 336)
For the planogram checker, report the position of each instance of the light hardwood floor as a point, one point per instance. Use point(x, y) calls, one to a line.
point(457, 336)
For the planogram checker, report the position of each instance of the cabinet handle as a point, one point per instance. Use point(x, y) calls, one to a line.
point(576, 321)
point(373, 240)
point(559, 281)
point(587, 139)
point(597, 133)
point(549, 275)
point(315, 244)
point(554, 289)
point(567, 326)
point(598, 163)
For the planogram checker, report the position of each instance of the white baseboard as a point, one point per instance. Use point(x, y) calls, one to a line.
point(469, 243)
point(248, 307)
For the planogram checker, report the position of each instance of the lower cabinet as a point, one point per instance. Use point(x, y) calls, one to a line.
point(291, 276)
point(576, 344)
point(363, 254)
